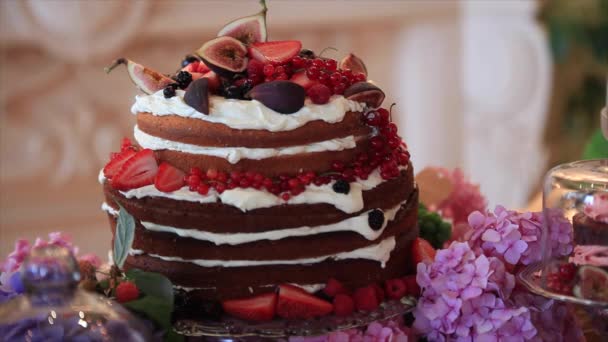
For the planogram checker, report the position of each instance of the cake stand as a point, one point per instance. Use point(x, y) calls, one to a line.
point(231, 329)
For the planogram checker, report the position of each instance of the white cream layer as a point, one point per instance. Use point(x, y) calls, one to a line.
point(380, 252)
point(249, 199)
point(234, 154)
point(358, 224)
point(241, 114)
point(310, 288)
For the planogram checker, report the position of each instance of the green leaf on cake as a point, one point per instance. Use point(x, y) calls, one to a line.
point(123, 237)
point(152, 284)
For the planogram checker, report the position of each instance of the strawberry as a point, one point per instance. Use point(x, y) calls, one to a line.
point(126, 291)
point(295, 303)
point(365, 298)
point(334, 288)
point(117, 161)
point(422, 251)
point(214, 81)
point(395, 288)
point(344, 305)
point(169, 178)
point(275, 52)
point(126, 144)
point(258, 308)
point(413, 289)
point(303, 80)
point(136, 172)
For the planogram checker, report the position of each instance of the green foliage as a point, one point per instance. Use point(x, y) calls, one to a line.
point(432, 227)
point(597, 147)
point(123, 238)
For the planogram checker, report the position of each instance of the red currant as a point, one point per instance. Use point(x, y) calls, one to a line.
point(331, 64)
point(319, 93)
point(313, 72)
point(318, 62)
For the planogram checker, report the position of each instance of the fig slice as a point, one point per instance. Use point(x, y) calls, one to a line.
point(225, 56)
point(248, 30)
point(353, 63)
point(284, 97)
point(147, 80)
point(365, 92)
point(197, 95)
point(592, 283)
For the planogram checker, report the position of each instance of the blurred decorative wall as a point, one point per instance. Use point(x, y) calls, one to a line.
point(470, 80)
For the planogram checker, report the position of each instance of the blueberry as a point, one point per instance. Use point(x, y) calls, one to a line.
point(375, 219)
point(189, 59)
point(305, 53)
point(169, 92)
point(341, 186)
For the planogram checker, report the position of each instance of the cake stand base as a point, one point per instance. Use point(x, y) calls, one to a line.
point(231, 329)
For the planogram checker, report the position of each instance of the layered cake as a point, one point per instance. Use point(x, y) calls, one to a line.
point(261, 164)
point(591, 232)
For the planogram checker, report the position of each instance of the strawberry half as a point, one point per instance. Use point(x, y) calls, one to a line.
point(303, 80)
point(422, 251)
point(275, 52)
point(258, 308)
point(136, 172)
point(295, 303)
point(118, 160)
point(169, 178)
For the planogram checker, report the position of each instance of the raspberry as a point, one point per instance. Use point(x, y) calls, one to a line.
point(395, 288)
point(126, 292)
point(334, 288)
point(366, 299)
point(412, 286)
point(344, 305)
point(319, 93)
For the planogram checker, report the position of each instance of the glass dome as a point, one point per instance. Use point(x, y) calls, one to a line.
point(575, 208)
point(55, 309)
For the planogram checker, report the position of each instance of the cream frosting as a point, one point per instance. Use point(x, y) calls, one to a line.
point(597, 209)
point(241, 114)
point(234, 154)
point(310, 288)
point(379, 252)
point(358, 224)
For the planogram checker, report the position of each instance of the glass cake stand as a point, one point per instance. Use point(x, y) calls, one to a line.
point(228, 329)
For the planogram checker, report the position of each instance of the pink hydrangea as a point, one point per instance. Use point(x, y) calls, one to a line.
point(464, 297)
point(464, 199)
point(387, 331)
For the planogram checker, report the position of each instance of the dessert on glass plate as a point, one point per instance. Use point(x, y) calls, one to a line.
point(266, 181)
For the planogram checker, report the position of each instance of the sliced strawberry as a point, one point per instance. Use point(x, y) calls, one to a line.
point(303, 80)
point(214, 81)
point(295, 303)
point(365, 298)
point(413, 289)
point(344, 305)
point(126, 144)
point(258, 308)
point(136, 172)
point(196, 67)
point(275, 52)
point(334, 288)
point(169, 178)
point(118, 160)
point(395, 288)
point(422, 251)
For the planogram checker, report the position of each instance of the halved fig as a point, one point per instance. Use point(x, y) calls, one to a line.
point(365, 92)
point(248, 30)
point(592, 283)
point(226, 56)
point(147, 80)
point(353, 63)
point(197, 95)
point(284, 97)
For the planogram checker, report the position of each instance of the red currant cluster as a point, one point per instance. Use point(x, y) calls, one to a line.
point(259, 72)
point(562, 280)
point(326, 72)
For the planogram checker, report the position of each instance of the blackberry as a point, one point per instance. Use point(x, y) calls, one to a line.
point(375, 219)
point(183, 79)
point(233, 92)
point(341, 186)
point(305, 53)
point(169, 92)
point(189, 59)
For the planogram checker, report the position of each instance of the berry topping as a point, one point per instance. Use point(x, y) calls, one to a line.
point(342, 187)
point(295, 303)
point(136, 172)
point(169, 178)
point(319, 93)
point(183, 79)
point(275, 52)
point(169, 92)
point(117, 162)
point(375, 219)
point(344, 305)
point(334, 287)
point(147, 80)
point(395, 288)
point(258, 308)
point(197, 95)
point(126, 291)
point(366, 299)
point(303, 80)
point(422, 251)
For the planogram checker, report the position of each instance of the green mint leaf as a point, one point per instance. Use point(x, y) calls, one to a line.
point(152, 284)
point(123, 237)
